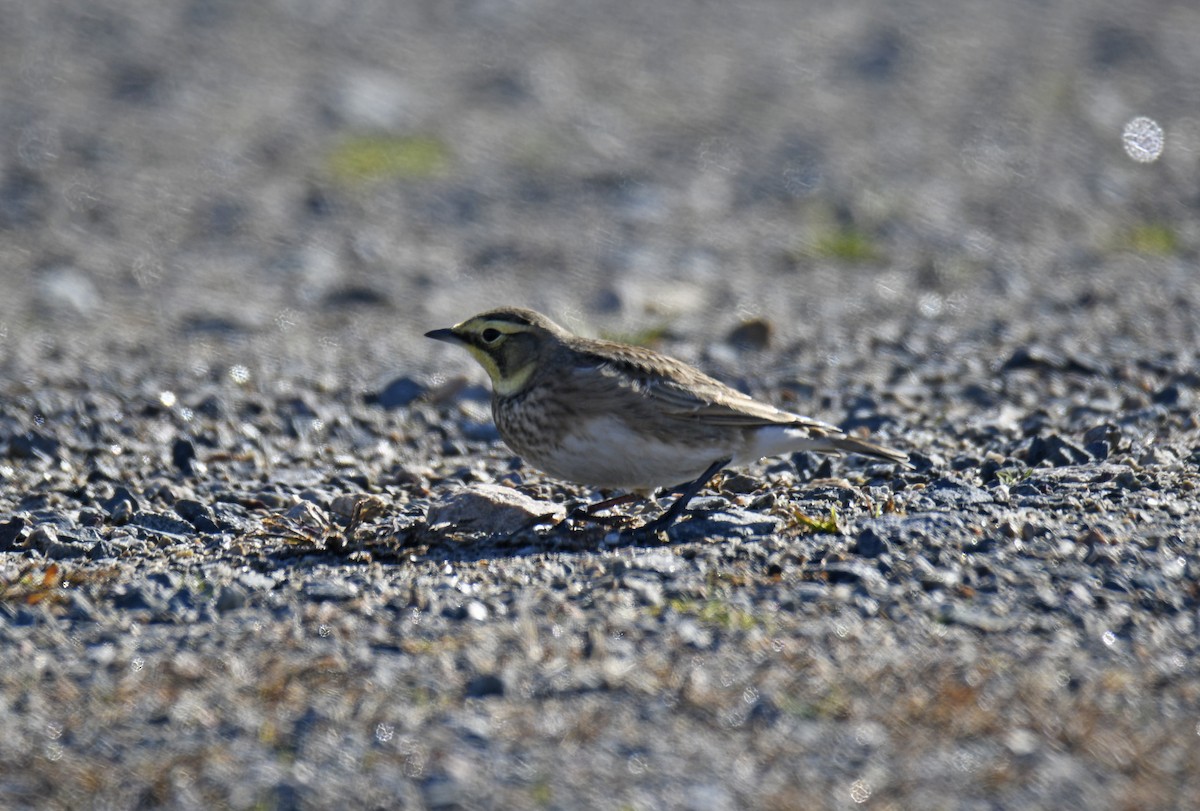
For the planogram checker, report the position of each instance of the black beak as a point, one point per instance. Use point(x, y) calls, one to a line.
point(447, 335)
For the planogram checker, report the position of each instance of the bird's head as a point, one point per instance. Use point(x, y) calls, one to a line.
point(508, 342)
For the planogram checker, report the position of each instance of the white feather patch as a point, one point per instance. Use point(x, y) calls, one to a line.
point(776, 440)
point(604, 452)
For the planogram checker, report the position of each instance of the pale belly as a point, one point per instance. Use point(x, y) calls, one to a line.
point(604, 452)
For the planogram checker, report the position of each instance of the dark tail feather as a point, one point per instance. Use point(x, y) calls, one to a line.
point(848, 444)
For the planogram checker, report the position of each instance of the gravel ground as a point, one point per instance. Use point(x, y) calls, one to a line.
point(260, 546)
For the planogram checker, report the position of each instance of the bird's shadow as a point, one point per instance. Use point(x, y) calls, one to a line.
point(567, 537)
point(406, 538)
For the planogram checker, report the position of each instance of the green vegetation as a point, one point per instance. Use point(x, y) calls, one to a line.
point(845, 244)
point(714, 612)
point(825, 526)
point(365, 158)
point(1013, 475)
point(1151, 238)
point(541, 794)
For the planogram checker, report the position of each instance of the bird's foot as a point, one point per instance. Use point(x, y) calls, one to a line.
point(659, 526)
point(655, 530)
point(588, 514)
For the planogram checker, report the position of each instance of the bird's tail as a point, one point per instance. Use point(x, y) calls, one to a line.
point(848, 444)
point(810, 435)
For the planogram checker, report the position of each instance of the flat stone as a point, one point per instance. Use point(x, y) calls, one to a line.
point(720, 526)
point(330, 591)
point(490, 508)
point(974, 618)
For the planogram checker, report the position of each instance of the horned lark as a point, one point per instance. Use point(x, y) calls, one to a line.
point(624, 417)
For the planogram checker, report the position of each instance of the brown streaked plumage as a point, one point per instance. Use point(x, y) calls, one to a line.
point(610, 415)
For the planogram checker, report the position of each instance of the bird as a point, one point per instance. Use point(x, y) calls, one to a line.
point(619, 417)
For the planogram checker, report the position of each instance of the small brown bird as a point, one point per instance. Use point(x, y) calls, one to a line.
point(624, 417)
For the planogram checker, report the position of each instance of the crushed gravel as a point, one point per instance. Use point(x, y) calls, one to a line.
point(260, 545)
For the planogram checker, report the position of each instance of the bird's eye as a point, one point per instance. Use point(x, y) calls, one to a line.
point(490, 335)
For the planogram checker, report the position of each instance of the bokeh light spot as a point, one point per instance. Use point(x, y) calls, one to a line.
point(1143, 139)
point(860, 791)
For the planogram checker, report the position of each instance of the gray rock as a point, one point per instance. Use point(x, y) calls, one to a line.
point(718, 526)
point(851, 572)
point(751, 335)
point(484, 686)
point(1055, 450)
point(138, 597)
point(974, 618)
point(230, 597)
point(490, 508)
point(45, 539)
point(948, 492)
point(121, 501)
point(68, 289)
point(330, 590)
point(256, 581)
point(480, 431)
point(199, 515)
point(33, 445)
point(869, 544)
point(662, 562)
point(183, 456)
point(161, 524)
point(11, 532)
point(649, 592)
point(401, 392)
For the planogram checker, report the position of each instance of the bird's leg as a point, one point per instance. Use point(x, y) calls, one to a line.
point(664, 521)
point(588, 513)
point(608, 503)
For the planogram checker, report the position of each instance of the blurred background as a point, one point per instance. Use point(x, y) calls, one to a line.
point(308, 185)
